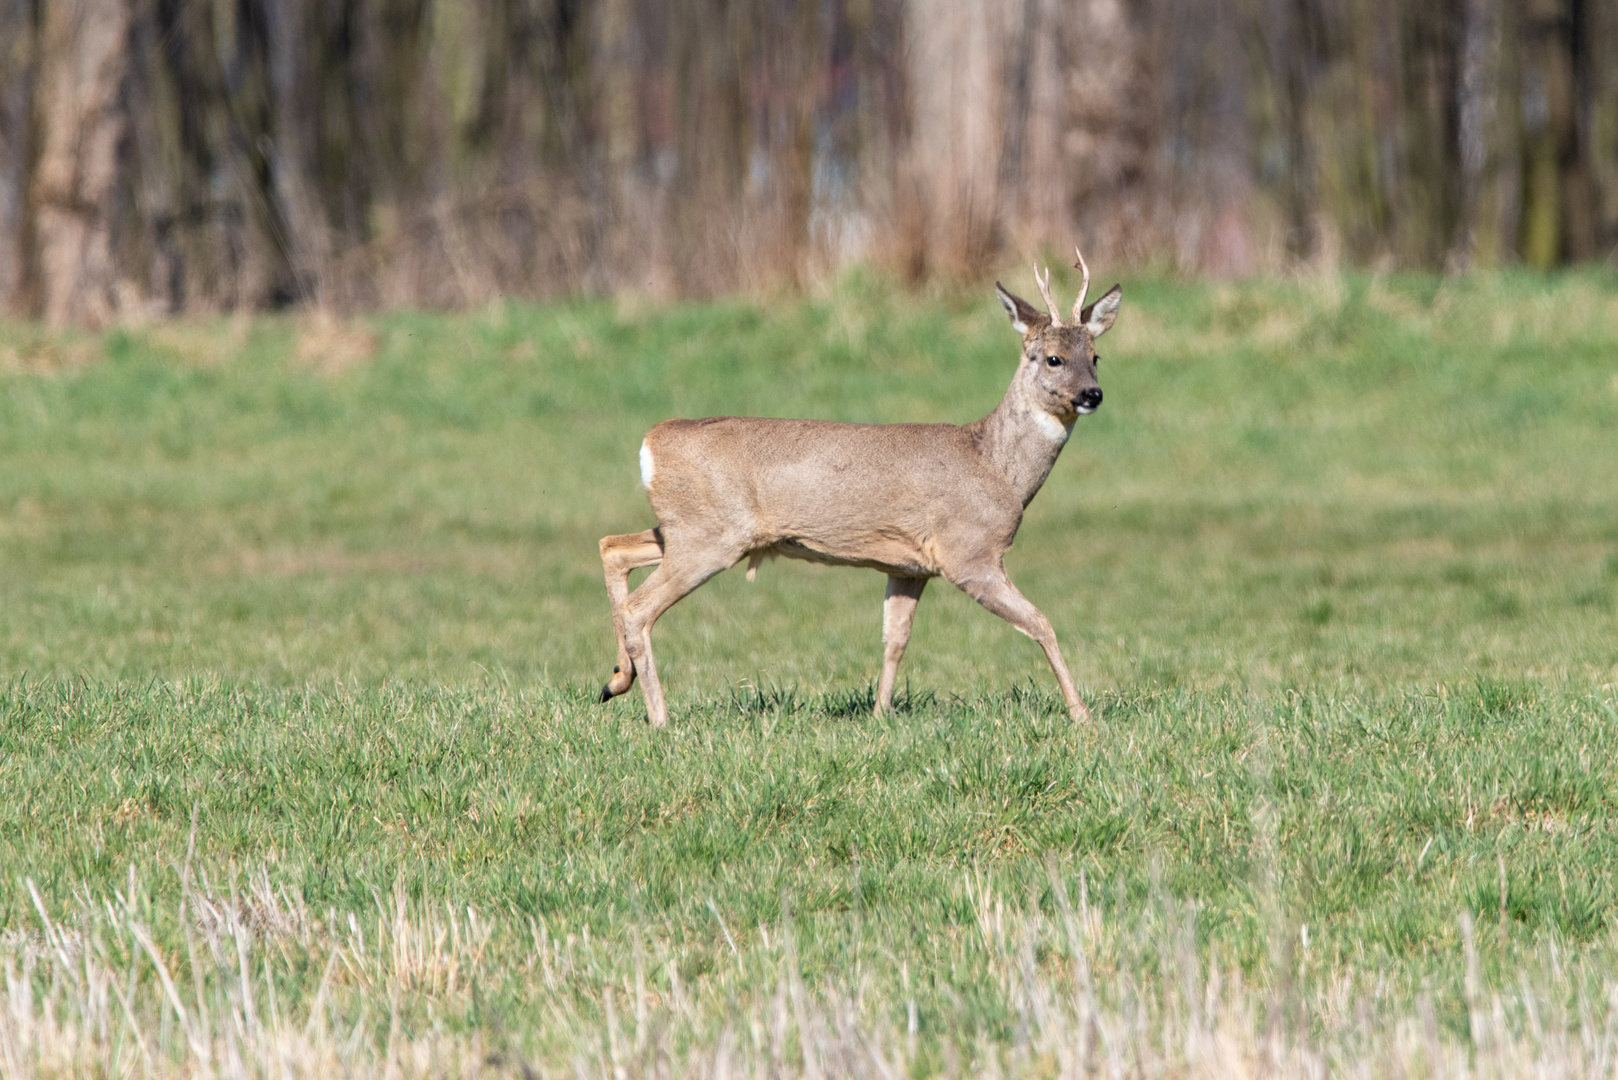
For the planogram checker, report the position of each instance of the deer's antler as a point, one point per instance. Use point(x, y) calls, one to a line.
point(1044, 284)
point(1084, 286)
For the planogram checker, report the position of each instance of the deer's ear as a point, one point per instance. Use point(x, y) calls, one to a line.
point(1024, 316)
point(1098, 317)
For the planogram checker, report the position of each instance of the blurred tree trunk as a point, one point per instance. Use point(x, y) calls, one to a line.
point(1228, 249)
point(83, 60)
point(1292, 36)
point(1579, 224)
point(18, 68)
point(1476, 90)
point(955, 57)
point(1019, 46)
point(1388, 185)
point(1044, 197)
point(1601, 119)
point(1111, 174)
point(1546, 115)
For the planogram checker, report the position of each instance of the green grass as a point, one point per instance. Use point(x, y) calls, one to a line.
point(1375, 486)
point(1337, 560)
point(1379, 819)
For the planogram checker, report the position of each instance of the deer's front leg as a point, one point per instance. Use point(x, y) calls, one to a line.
point(898, 615)
point(991, 587)
point(619, 555)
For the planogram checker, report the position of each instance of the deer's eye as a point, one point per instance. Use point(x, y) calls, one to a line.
point(1053, 361)
point(1097, 360)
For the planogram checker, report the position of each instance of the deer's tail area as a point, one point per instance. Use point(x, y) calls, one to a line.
point(619, 555)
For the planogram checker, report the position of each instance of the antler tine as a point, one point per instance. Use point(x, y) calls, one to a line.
point(1045, 291)
point(1084, 286)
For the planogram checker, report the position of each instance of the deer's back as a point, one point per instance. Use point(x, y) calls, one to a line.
point(834, 488)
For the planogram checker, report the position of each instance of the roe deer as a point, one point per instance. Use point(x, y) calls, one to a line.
point(915, 501)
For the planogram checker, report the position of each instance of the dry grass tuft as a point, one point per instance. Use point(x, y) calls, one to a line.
point(201, 343)
point(247, 981)
point(330, 345)
point(41, 355)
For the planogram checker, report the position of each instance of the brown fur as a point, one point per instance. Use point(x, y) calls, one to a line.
point(915, 501)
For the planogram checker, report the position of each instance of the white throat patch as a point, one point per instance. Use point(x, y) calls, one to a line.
point(646, 470)
point(1050, 427)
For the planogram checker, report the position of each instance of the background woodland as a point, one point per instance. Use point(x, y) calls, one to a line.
point(164, 156)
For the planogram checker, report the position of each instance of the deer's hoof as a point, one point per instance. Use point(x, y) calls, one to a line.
point(620, 683)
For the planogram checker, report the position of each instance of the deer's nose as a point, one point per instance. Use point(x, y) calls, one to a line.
point(1090, 398)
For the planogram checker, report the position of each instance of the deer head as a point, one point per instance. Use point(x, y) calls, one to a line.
point(1058, 371)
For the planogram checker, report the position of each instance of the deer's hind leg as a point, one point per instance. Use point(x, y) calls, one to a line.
point(619, 555)
point(687, 563)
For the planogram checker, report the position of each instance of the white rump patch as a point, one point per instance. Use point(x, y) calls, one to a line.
point(1052, 428)
point(646, 470)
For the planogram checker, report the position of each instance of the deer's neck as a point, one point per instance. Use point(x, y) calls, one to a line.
point(1023, 441)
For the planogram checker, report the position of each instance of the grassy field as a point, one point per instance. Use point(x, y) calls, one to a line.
point(301, 626)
